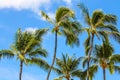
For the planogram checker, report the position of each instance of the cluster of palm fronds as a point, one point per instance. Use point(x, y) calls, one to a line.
point(28, 49)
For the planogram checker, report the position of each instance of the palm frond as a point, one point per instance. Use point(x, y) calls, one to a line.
point(117, 68)
point(92, 70)
point(80, 74)
point(87, 45)
point(39, 62)
point(115, 35)
point(58, 71)
point(84, 62)
point(111, 67)
point(6, 53)
point(85, 13)
point(110, 18)
point(97, 16)
point(115, 58)
point(37, 52)
point(39, 33)
point(63, 13)
point(71, 38)
point(108, 27)
point(103, 35)
point(75, 63)
point(44, 15)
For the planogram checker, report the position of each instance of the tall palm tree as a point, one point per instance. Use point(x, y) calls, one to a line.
point(67, 67)
point(100, 25)
point(104, 57)
point(27, 47)
point(63, 24)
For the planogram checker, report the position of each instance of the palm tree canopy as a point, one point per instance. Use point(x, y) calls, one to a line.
point(27, 47)
point(105, 57)
point(67, 66)
point(100, 25)
point(65, 24)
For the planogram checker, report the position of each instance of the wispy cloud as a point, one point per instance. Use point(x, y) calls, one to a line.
point(32, 5)
point(23, 4)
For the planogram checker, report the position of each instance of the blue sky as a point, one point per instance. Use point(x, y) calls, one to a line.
point(25, 14)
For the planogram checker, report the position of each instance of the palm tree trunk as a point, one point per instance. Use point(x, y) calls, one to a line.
point(54, 57)
point(21, 66)
point(104, 74)
point(88, 64)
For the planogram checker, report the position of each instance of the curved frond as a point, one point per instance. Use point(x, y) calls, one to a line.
point(6, 53)
point(63, 13)
point(103, 35)
point(92, 70)
point(58, 71)
point(44, 15)
point(87, 45)
point(111, 67)
point(108, 27)
point(37, 52)
point(39, 62)
point(80, 74)
point(115, 35)
point(117, 68)
point(39, 33)
point(97, 15)
point(85, 13)
point(110, 18)
point(115, 58)
point(71, 38)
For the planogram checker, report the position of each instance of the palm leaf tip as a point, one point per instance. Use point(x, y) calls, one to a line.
point(6, 53)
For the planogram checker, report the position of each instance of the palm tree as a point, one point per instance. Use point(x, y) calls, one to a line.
point(104, 57)
point(27, 47)
point(100, 25)
point(67, 67)
point(63, 24)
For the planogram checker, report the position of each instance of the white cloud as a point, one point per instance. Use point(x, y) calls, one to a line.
point(33, 5)
point(30, 29)
point(23, 4)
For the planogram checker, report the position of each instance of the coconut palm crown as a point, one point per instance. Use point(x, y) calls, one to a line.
point(67, 67)
point(28, 49)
